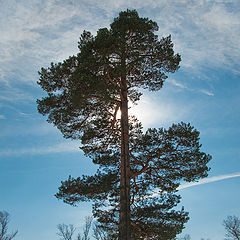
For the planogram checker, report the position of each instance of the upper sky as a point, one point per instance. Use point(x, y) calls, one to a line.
point(34, 157)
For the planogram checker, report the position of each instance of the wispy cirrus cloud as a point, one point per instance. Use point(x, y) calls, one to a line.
point(177, 84)
point(207, 92)
point(35, 31)
point(204, 32)
point(58, 148)
point(12, 94)
point(183, 86)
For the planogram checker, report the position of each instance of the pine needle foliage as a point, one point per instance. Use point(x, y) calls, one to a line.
point(139, 172)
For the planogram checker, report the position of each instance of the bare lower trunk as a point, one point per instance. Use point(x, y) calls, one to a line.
point(124, 226)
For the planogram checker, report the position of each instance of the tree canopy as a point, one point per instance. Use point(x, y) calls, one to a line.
point(85, 93)
point(85, 88)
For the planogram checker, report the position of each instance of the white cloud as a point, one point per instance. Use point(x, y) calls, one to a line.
point(176, 83)
point(35, 33)
point(182, 86)
point(35, 129)
point(204, 32)
point(13, 94)
point(209, 180)
point(58, 148)
point(207, 92)
point(2, 116)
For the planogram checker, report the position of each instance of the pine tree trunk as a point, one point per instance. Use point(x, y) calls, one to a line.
point(124, 226)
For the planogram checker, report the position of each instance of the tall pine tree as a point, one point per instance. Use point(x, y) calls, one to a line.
point(85, 93)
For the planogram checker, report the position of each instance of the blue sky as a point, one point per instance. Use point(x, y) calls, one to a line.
point(34, 157)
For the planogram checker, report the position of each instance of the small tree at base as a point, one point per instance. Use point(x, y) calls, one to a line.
point(4, 221)
point(232, 226)
point(85, 93)
point(66, 232)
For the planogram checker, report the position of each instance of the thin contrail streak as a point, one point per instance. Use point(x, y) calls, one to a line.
point(209, 180)
point(203, 181)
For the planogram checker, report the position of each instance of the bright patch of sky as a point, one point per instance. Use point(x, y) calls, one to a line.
point(34, 157)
